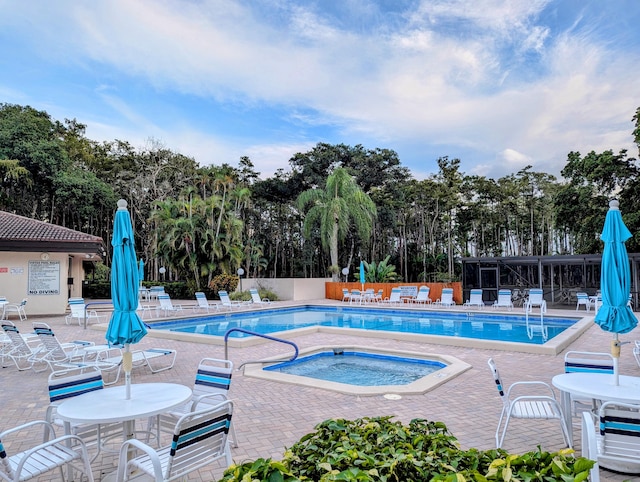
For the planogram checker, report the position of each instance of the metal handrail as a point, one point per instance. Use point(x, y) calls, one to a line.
point(91, 304)
point(248, 332)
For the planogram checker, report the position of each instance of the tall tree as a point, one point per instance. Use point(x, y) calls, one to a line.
point(338, 206)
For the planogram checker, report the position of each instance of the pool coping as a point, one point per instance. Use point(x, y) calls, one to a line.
point(552, 347)
point(454, 367)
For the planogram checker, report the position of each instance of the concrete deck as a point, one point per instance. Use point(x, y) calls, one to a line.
point(270, 416)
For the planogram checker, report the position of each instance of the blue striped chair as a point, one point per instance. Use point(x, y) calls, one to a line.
point(586, 362)
point(211, 386)
point(199, 439)
point(614, 439)
point(72, 382)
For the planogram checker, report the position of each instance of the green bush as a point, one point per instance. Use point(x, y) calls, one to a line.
point(225, 282)
point(380, 449)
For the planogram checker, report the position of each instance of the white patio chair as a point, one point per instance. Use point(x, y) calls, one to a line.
point(256, 299)
point(423, 296)
point(77, 308)
point(53, 453)
point(17, 308)
point(582, 299)
point(504, 300)
point(186, 452)
point(533, 407)
point(72, 382)
point(586, 362)
point(156, 359)
point(211, 386)
point(475, 299)
point(228, 302)
point(535, 300)
point(166, 305)
point(346, 295)
point(16, 347)
point(446, 298)
point(616, 445)
point(204, 304)
point(52, 353)
point(393, 299)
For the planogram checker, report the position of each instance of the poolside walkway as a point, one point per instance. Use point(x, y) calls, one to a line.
point(270, 416)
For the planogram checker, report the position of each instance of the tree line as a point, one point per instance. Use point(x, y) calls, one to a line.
point(200, 221)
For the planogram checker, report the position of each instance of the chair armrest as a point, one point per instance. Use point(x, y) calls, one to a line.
point(137, 444)
point(204, 398)
point(531, 384)
point(49, 431)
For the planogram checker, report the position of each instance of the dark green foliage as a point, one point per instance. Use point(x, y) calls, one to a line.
point(380, 449)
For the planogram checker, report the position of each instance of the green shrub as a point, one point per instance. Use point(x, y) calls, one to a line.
point(224, 282)
point(380, 449)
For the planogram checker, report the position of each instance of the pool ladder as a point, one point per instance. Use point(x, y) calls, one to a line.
point(261, 335)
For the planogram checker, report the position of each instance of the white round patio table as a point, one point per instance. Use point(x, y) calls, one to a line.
point(597, 386)
point(109, 405)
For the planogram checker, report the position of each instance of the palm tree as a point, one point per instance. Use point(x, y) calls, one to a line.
point(339, 206)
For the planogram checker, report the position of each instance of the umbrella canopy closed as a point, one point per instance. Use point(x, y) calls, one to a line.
point(615, 315)
point(362, 276)
point(141, 271)
point(125, 326)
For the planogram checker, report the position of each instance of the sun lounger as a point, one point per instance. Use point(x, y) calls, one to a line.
point(156, 359)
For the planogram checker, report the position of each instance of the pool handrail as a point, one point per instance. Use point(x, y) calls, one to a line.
point(262, 335)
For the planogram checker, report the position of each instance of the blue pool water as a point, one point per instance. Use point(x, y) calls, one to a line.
point(477, 325)
point(358, 368)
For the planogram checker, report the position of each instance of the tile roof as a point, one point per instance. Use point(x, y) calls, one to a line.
point(15, 228)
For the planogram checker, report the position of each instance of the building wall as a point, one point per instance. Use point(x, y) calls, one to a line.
point(22, 272)
point(290, 289)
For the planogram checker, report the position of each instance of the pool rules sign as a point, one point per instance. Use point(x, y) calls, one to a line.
point(44, 278)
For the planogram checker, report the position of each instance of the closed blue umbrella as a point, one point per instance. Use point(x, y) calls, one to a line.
point(362, 277)
point(615, 315)
point(125, 326)
point(141, 271)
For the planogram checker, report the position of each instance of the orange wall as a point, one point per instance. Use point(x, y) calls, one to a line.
point(333, 291)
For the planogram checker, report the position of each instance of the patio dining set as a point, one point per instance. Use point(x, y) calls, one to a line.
point(152, 431)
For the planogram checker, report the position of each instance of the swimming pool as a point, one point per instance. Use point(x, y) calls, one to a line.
point(450, 367)
point(359, 368)
point(483, 329)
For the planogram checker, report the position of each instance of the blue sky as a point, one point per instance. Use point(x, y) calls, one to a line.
point(497, 84)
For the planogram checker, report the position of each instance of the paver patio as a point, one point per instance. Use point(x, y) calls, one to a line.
point(270, 416)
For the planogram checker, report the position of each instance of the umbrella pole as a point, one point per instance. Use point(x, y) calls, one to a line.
point(127, 364)
point(615, 352)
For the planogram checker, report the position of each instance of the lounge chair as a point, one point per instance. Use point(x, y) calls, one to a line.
point(586, 362)
point(211, 386)
point(535, 300)
point(73, 382)
point(256, 300)
point(504, 300)
point(475, 299)
point(542, 406)
point(423, 296)
point(582, 299)
point(393, 299)
point(616, 443)
point(186, 453)
point(110, 360)
point(446, 298)
point(53, 453)
point(17, 308)
point(346, 296)
point(228, 303)
point(78, 311)
point(52, 353)
point(166, 305)
point(154, 291)
point(204, 304)
point(16, 348)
